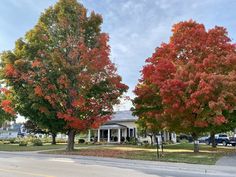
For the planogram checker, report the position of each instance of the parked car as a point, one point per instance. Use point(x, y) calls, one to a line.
point(203, 139)
point(219, 139)
point(232, 141)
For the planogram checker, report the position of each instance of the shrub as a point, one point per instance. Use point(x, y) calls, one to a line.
point(61, 140)
point(28, 139)
point(12, 140)
point(170, 142)
point(149, 146)
point(46, 140)
point(6, 142)
point(183, 141)
point(132, 140)
point(23, 143)
point(115, 138)
point(17, 140)
point(81, 141)
point(99, 143)
point(37, 142)
point(145, 142)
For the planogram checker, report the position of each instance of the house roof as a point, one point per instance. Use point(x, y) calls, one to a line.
point(112, 126)
point(123, 116)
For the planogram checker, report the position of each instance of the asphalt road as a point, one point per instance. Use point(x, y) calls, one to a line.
point(30, 164)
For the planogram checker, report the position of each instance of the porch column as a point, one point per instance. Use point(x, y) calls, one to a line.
point(128, 132)
point(119, 135)
point(135, 133)
point(173, 137)
point(108, 136)
point(89, 135)
point(125, 132)
point(165, 136)
point(98, 135)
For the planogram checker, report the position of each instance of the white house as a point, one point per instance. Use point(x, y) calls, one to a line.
point(121, 127)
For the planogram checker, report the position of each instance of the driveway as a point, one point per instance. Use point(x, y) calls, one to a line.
point(31, 164)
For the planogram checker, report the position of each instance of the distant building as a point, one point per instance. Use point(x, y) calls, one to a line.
point(12, 130)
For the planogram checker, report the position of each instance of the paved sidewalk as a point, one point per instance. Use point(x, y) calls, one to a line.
point(147, 167)
point(21, 164)
point(229, 160)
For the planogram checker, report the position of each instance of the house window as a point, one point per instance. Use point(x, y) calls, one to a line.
point(131, 132)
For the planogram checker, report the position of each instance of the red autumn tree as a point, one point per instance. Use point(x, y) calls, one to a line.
point(192, 79)
point(7, 112)
point(62, 68)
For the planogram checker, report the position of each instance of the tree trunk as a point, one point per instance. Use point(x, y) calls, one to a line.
point(213, 140)
point(54, 135)
point(71, 140)
point(195, 143)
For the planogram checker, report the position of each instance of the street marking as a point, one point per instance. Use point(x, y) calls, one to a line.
point(62, 160)
point(26, 173)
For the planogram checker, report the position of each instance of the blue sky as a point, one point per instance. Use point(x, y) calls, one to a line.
point(136, 27)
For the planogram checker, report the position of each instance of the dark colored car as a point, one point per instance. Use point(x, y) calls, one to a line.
point(219, 139)
point(232, 141)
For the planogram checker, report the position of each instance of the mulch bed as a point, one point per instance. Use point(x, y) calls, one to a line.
point(103, 153)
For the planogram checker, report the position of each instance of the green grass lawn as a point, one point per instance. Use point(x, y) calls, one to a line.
point(172, 153)
point(182, 153)
point(16, 147)
point(30, 147)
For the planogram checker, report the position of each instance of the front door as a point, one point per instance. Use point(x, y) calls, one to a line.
point(104, 135)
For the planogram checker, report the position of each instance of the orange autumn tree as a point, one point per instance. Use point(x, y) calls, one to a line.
point(191, 81)
point(62, 68)
point(7, 112)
